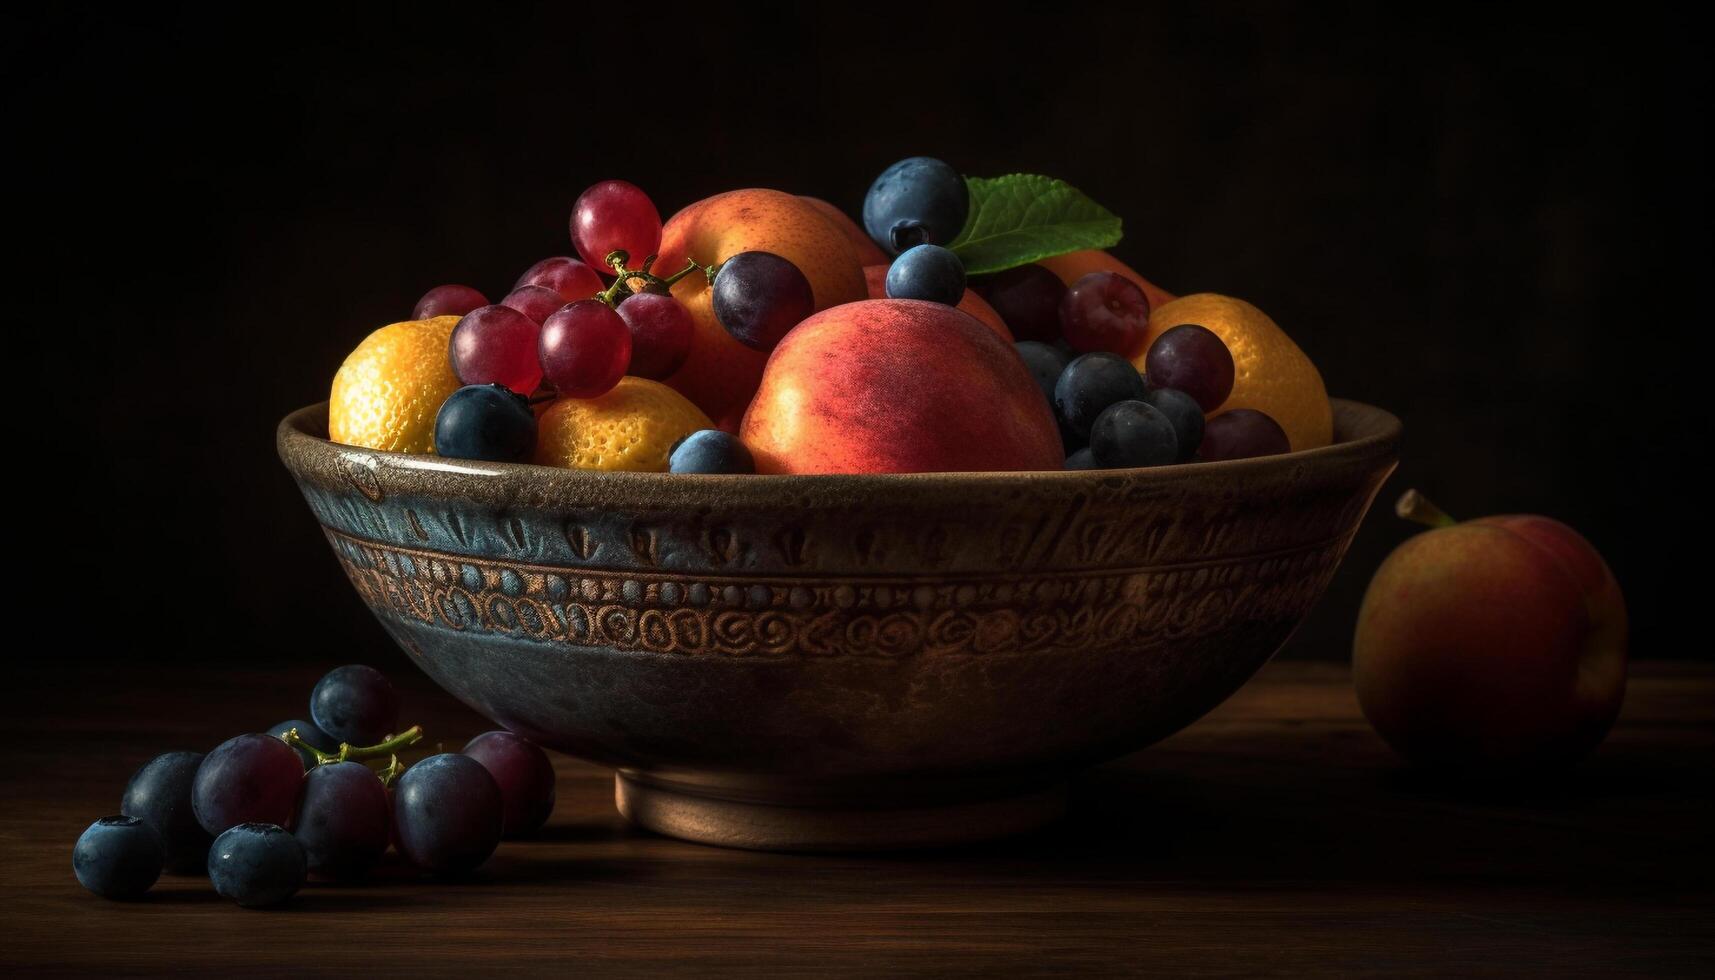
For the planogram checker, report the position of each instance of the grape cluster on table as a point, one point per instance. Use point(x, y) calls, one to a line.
point(260, 816)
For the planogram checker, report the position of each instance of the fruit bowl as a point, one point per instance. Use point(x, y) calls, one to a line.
point(841, 662)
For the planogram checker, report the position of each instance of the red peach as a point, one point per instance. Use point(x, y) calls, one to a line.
point(898, 386)
point(1493, 644)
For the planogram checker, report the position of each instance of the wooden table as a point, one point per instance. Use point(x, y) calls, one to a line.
point(1276, 835)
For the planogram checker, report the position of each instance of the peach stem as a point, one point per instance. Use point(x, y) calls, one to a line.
point(1414, 506)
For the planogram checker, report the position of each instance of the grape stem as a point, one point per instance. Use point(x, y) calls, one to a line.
point(1414, 506)
point(391, 773)
point(652, 283)
point(354, 753)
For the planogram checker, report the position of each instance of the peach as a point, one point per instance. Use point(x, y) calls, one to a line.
point(876, 276)
point(898, 386)
point(868, 252)
point(720, 374)
point(1493, 644)
point(1073, 266)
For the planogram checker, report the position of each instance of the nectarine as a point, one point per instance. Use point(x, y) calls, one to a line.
point(1493, 644)
point(868, 252)
point(898, 386)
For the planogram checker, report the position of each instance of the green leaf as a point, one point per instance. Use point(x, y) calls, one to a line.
point(1019, 218)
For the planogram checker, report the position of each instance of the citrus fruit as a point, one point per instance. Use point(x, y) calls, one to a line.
point(387, 392)
point(1270, 373)
point(632, 427)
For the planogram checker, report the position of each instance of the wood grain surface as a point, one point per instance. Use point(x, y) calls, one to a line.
point(1277, 835)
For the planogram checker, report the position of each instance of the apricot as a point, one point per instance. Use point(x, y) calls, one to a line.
point(898, 386)
point(876, 277)
point(720, 374)
point(868, 252)
point(1073, 266)
point(1493, 644)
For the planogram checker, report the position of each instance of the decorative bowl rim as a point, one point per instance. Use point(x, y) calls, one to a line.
point(1376, 432)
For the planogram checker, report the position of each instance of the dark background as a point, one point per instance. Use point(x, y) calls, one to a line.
point(1495, 226)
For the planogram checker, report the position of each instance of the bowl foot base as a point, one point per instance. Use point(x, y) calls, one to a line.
point(772, 827)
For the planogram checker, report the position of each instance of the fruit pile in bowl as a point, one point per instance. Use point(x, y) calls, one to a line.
point(977, 505)
point(968, 325)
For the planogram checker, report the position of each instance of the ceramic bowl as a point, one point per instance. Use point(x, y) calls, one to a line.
point(841, 662)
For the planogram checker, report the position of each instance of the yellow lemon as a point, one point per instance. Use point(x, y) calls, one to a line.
point(632, 427)
point(1270, 373)
point(387, 392)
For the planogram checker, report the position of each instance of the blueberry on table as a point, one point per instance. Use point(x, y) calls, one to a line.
point(257, 864)
point(489, 422)
point(118, 857)
point(919, 200)
point(1133, 433)
point(159, 794)
point(1045, 364)
point(1091, 383)
point(711, 451)
point(1186, 415)
point(927, 272)
point(355, 704)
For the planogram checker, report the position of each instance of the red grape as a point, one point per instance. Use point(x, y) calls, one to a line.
point(449, 300)
point(448, 813)
point(1028, 298)
point(248, 779)
point(1191, 359)
point(564, 275)
point(524, 775)
point(1105, 311)
point(1240, 434)
point(535, 302)
point(497, 345)
point(615, 214)
point(759, 296)
point(343, 820)
point(661, 332)
point(585, 349)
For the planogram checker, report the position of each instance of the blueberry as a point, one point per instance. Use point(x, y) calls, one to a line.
point(118, 857)
point(1133, 433)
point(355, 704)
point(256, 865)
point(309, 732)
point(916, 201)
point(710, 451)
point(927, 272)
point(160, 796)
point(1081, 460)
point(1045, 364)
point(1090, 384)
point(1186, 415)
point(487, 422)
